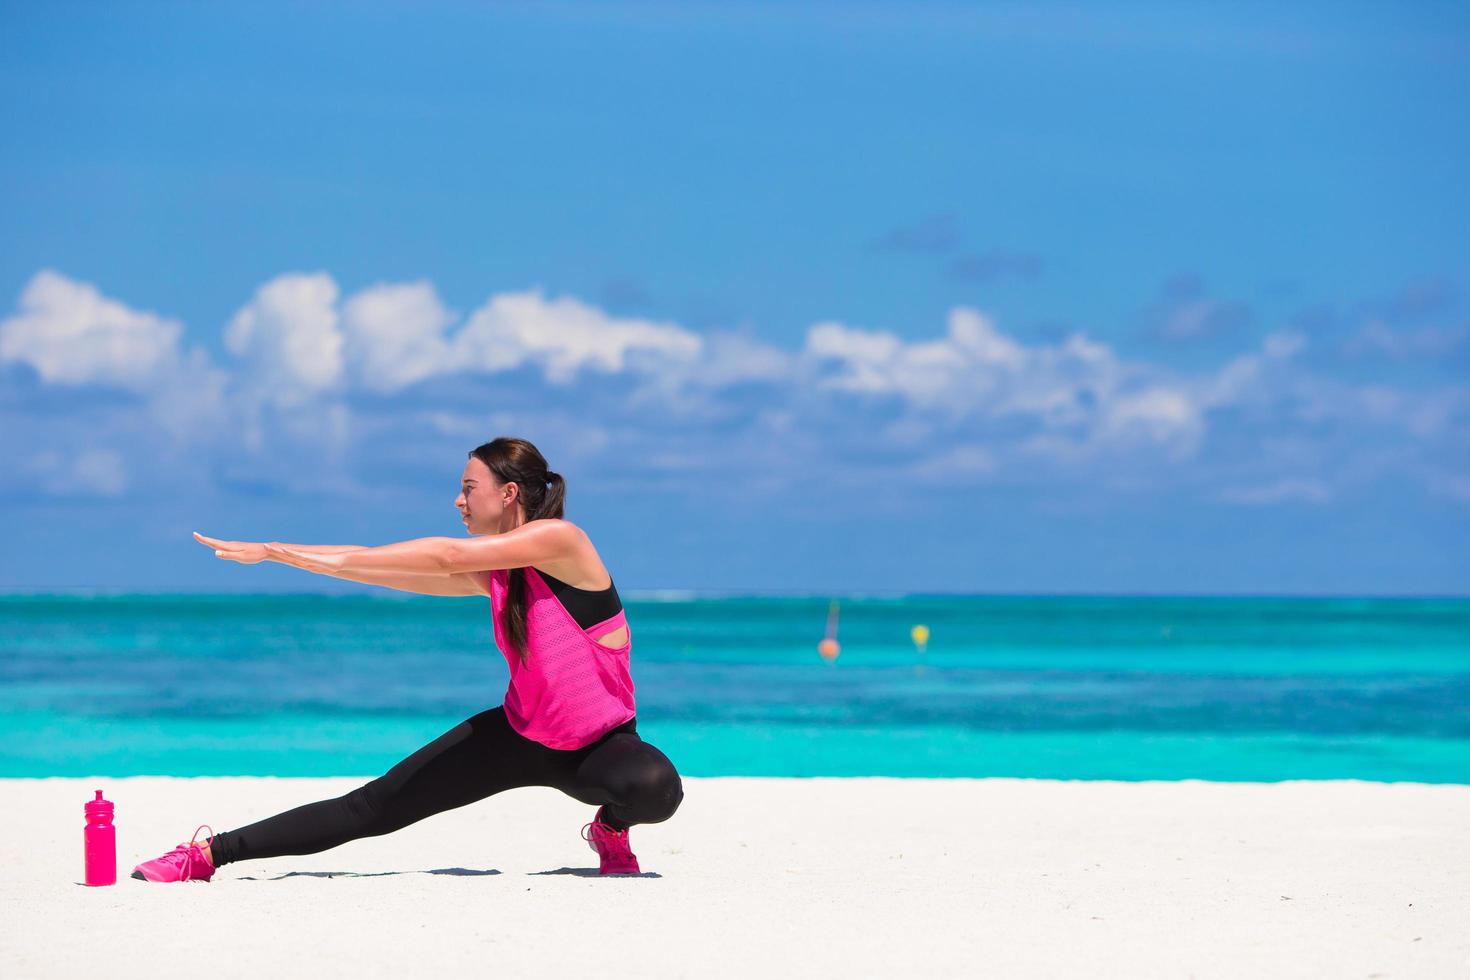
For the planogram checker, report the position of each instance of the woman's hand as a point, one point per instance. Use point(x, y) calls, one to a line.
point(304, 560)
point(244, 552)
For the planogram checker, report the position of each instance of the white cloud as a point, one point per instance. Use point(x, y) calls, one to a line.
point(192, 404)
point(688, 386)
point(968, 367)
point(1284, 343)
point(1250, 377)
point(731, 357)
point(1376, 339)
point(87, 474)
point(1189, 319)
point(966, 404)
point(289, 338)
point(955, 464)
point(1427, 414)
point(878, 361)
point(1434, 412)
point(1158, 414)
point(1289, 488)
point(395, 335)
point(71, 334)
point(563, 336)
point(976, 370)
point(1067, 385)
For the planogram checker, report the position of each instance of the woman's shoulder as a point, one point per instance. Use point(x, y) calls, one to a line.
point(573, 534)
point(578, 561)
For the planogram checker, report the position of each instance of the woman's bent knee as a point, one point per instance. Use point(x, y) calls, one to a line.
point(660, 796)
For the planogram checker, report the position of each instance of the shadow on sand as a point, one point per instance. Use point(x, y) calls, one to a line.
point(579, 872)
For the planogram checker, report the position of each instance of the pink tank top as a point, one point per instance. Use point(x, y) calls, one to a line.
point(573, 690)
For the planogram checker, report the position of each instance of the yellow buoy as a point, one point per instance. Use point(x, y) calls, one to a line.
point(920, 635)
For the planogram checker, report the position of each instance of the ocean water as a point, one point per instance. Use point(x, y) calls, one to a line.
point(1126, 688)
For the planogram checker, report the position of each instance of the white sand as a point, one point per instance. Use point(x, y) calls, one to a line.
point(769, 877)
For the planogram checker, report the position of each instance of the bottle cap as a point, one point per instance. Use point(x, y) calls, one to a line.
point(99, 806)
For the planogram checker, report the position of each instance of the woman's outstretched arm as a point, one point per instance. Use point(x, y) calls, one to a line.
point(535, 541)
point(326, 549)
point(251, 552)
point(457, 583)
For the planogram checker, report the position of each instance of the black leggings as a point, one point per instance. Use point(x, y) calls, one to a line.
point(479, 757)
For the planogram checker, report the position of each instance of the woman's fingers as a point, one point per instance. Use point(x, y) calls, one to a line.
point(228, 550)
point(219, 544)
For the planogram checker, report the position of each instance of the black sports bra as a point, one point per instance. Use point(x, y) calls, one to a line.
point(587, 606)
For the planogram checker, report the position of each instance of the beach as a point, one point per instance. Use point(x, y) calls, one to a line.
point(769, 877)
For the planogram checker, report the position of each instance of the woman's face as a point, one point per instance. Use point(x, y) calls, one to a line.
point(482, 503)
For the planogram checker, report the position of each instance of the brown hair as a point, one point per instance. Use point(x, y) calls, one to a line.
point(542, 495)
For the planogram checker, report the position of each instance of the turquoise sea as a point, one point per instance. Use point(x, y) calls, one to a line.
point(1223, 688)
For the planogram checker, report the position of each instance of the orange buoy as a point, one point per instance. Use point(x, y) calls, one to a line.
point(829, 647)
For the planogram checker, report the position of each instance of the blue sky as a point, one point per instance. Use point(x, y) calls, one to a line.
point(803, 298)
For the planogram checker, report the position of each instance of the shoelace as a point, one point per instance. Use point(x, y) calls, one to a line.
point(185, 850)
point(603, 830)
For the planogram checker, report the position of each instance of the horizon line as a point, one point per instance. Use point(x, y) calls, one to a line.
point(676, 595)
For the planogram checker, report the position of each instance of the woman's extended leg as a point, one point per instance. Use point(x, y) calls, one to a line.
point(635, 782)
point(477, 758)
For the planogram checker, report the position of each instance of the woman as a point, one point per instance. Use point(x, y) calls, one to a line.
point(568, 719)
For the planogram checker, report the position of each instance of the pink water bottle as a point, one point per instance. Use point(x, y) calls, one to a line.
point(100, 841)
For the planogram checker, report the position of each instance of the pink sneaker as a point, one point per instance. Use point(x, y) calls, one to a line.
point(184, 863)
point(611, 847)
